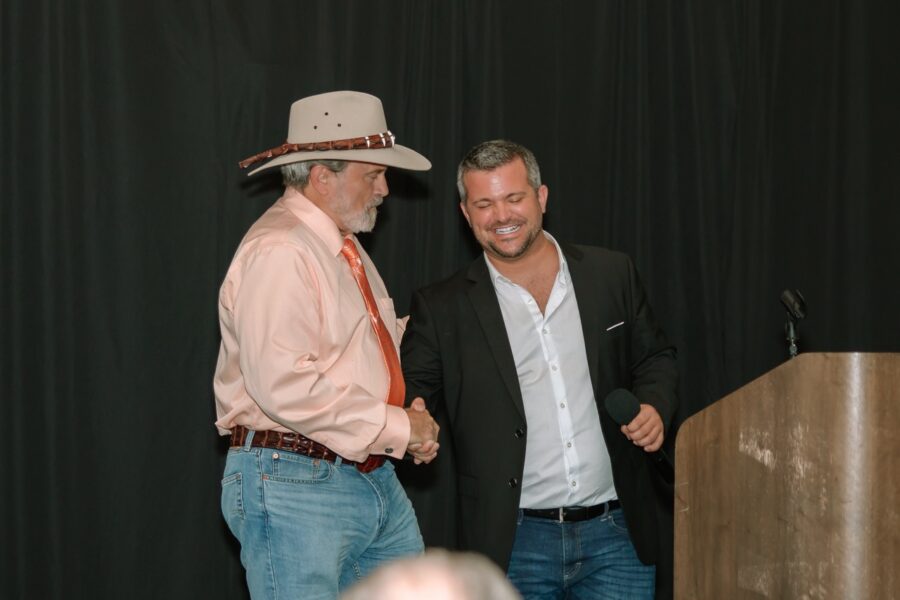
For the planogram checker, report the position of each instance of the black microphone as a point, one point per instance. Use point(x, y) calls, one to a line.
point(623, 407)
point(795, 303)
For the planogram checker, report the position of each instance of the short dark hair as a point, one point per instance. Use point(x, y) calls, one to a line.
point(489, 155)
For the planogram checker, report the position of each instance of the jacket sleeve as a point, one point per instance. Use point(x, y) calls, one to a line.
point(653, 369)
point(420, 353)
point(432, 488)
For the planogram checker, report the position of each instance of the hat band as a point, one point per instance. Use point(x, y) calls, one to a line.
point(369, 142)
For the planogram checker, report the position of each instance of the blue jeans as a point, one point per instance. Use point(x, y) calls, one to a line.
point(309, 528)
point(591, 559)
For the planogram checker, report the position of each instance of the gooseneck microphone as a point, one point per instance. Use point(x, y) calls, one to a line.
point(623, 407)
point(795, 304)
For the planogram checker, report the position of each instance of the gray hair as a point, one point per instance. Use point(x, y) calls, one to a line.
point(492, 154)
point(296, 175)
point(437, 573)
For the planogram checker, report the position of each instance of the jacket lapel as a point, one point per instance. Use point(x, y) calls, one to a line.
point(487, 308)
point(584, 280)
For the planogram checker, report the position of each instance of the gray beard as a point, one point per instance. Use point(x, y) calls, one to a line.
point(363, 222)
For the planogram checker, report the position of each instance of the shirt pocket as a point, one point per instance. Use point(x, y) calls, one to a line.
point(386, 309)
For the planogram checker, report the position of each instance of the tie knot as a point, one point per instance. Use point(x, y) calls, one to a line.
point(349, 250)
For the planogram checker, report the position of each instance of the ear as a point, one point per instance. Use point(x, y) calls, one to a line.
point(321, 179)
point(462, 207)
point(542, 194)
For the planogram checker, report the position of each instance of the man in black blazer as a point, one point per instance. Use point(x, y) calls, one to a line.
point(515, 355)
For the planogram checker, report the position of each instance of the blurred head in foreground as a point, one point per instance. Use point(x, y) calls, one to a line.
point(436, 575)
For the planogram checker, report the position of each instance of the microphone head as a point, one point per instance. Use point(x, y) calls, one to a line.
point(795, 304)
point(622, 406)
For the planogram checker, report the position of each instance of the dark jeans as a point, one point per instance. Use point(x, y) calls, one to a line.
point(591, 559)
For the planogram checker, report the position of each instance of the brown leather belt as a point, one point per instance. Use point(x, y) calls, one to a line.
point(571, 514)
point(300, 444)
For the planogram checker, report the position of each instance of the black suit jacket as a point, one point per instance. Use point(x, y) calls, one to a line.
point(456, 355)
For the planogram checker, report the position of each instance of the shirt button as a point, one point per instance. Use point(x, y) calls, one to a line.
point(554, 367)
point(513, 482)
point(574, 484)
point(546, 331)
point(388, 450)
point(569, 445)
point(562, 404)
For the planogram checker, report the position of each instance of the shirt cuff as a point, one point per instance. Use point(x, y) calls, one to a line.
point(394, 438)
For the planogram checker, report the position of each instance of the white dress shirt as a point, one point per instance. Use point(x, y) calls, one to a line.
point(566, 460)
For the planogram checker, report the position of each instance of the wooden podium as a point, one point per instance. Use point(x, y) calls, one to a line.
point(790, 486)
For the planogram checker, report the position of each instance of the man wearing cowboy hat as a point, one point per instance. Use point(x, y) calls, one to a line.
point(516, 354)
point(308, 382)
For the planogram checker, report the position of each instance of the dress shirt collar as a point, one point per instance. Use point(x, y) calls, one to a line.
point(562, 275)
point(313, 216)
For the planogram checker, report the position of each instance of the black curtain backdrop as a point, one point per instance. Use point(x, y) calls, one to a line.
point(733, 147)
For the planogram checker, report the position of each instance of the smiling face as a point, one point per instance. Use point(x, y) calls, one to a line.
point(358, 192)
point(503, 210)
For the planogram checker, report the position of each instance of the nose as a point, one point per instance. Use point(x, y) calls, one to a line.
point(381, 186)
point(501, 212)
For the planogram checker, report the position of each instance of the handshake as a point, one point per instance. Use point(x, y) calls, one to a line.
point(423, 433)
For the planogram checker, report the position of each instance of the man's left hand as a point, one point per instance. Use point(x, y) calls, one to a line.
point(646, 429)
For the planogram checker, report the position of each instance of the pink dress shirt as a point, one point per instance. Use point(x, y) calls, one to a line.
point(298, 350)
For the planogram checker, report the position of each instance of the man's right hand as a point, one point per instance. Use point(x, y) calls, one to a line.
point(423, 433)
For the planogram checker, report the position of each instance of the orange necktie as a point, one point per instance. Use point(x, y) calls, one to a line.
point(397, 388)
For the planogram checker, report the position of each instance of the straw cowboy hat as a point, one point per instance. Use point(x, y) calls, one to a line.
point(339, 126)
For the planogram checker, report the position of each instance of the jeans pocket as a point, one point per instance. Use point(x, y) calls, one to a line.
point(232, 497)
point(287, 467)
point(617, 521)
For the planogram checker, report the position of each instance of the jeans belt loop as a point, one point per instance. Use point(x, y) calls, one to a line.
point(248, 443)
point(562, 514)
